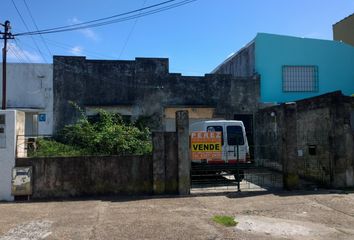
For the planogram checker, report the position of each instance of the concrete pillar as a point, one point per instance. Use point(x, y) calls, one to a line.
point(184, 163)
point(12, 123)
point(171, 162)
point(158, 162)
point(289, 154)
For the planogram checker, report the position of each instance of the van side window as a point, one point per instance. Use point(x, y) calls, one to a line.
point(235, 135)
point(216, 129)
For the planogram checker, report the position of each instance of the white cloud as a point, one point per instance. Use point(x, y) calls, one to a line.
point(17, 54)
point(77, 50)
point(87, 32)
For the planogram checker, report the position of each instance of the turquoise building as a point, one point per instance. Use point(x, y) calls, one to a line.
point(293, 68)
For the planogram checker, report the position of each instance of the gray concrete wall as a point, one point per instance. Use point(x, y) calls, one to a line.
point(311, 138)
point(147, 86)
point(241, 64)
point(90, 176)
point(165, 163)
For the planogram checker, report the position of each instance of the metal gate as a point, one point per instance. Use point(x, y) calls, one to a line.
point(236, 177)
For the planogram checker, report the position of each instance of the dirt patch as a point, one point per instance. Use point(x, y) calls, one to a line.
point(284, 228)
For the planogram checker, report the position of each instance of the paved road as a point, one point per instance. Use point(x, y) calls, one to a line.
point(261, 215)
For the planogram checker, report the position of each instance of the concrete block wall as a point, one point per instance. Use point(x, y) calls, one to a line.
point(311, 139)
point(90, 176)
point(167, 171)
point(171, 163)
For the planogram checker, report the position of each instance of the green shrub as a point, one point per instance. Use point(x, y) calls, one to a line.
point(109, 135)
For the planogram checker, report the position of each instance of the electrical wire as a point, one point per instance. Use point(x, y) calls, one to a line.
point(95, 77)
point(22, 51)
point(24, 23)
point(134, 16)
point(35, 24)
point(129, 35)
point(69, 47)
point(110, 17)
point(16, 54)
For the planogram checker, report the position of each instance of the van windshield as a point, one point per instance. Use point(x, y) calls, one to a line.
point(235, 135)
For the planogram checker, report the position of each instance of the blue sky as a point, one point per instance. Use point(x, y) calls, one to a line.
point(195, 37)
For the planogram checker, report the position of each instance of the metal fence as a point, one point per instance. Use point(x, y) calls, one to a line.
point(234, 178)
point(258, 174)
point(26, 145)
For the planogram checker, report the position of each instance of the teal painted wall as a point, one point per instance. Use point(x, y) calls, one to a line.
point(335, 61)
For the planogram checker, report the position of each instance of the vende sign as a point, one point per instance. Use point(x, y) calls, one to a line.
point(206, 145)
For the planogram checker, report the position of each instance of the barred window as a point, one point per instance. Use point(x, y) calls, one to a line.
point(300, 78)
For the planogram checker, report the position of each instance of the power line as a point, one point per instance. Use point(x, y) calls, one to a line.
point(129, 34)
point(66, 46)
point(16, 54)
point(34, 22)
point(106, 18)
point(85, 25)
point(24, 23)
point(22, 51)
point(69, 47)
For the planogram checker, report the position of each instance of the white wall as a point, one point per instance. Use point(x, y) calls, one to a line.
point(14, 125)
point(30, 86)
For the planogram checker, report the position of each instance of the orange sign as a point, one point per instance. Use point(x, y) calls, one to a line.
point(206, 145)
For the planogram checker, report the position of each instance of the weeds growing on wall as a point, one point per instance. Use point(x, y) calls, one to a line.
point(108, 135)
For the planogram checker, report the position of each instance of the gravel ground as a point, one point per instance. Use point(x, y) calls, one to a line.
point(261, 215)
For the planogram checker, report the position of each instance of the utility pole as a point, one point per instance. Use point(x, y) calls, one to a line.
point(6, 35)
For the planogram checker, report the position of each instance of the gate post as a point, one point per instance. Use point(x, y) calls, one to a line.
point(184, 164)
point(158, 162)
point(290, 174)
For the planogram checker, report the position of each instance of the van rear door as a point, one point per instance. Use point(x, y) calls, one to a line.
point(235, 144)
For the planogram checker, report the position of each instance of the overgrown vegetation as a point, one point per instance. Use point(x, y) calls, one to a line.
point(225, 220)
point(109, 135)
point(50, 148)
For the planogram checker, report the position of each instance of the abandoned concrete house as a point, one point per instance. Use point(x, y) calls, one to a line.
point(145, 87)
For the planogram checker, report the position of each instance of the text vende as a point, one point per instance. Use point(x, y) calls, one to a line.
point(206, 147)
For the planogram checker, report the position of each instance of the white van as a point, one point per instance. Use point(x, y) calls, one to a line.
point(235, 147)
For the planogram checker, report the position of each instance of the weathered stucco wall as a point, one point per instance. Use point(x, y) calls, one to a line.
point(30, 87)
point(98, 175)
point(147, 87)
point(312, 138)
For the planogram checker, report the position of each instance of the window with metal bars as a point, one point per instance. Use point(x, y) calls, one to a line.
point(300, 78)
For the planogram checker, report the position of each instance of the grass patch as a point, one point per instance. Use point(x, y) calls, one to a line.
point(227, 221)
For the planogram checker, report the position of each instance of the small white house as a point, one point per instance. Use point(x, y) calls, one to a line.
point(30, 89)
